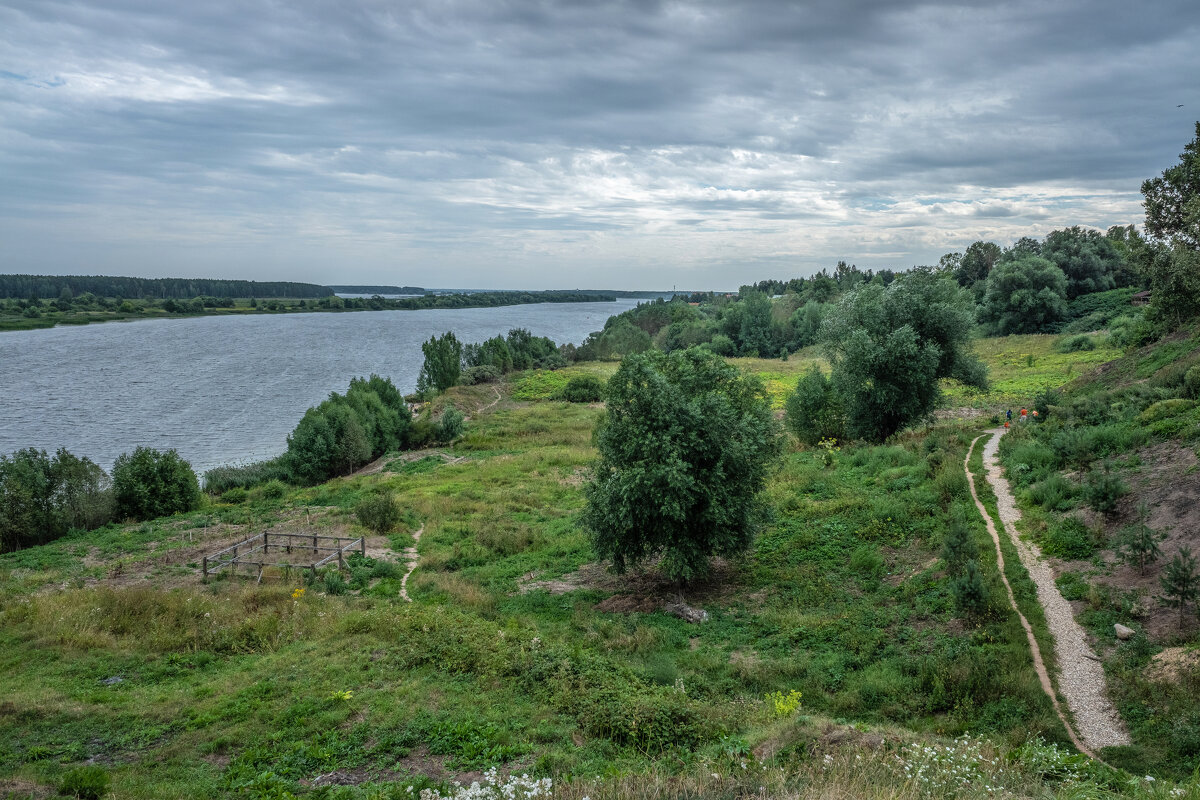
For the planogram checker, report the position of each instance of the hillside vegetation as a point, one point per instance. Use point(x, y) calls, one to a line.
point(837, 656)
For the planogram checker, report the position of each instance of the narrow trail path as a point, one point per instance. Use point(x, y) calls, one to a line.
point(1081, 676)
point(410, 556)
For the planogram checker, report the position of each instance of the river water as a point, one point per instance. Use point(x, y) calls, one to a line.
point(226, 390)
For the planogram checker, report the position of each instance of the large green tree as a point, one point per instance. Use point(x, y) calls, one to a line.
point(1088, 258)
point(1172, 200)
point(443, 363)
point(890, 345)
point(1028, 295)
point(685, 445)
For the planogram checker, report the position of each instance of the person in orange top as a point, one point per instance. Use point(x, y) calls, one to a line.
point(1023, 413)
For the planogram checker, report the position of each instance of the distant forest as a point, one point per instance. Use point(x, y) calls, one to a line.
point(29, 287)
point(378, 289)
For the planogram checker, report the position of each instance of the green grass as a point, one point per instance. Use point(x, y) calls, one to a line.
point(1020, 367)
point(230, 689)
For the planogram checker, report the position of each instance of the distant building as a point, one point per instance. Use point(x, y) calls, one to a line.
point(1141, 298)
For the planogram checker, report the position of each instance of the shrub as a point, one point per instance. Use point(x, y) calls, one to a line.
point(451, 426)
point(1191, 383)
point(1071, 586)
point(813, 410)
point(867, 563)
point(970, 593)
point(483, 373)
point(378, 513)
point(87, 783)
point(1070, 539)
point(235, 495)
point(219, 480)
point(583, 389)
point(150, 483)
point(1103, 490)
point(1166, 408)
point(1053, 494)
point(1076, 344)
point(274, 489)
point(334, 583)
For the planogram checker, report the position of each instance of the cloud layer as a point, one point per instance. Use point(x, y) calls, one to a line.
point(569, 144)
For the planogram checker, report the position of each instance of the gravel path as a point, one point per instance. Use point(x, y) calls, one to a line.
point(1081, 676)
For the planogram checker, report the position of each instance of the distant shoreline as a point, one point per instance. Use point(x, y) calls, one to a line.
point(16, 316)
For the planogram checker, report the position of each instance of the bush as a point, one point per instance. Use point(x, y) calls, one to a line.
point(451, 426)
point(1191, 383)
point(1070, 539)
point(219, 480)
point(1055, 493)
point(42, 497)
point(867, 563)
point(1103, 490)
point(150, 483)
point(1076, 344)
point(87, 783)
point(583, 389)
point(378, 513)
point(484, 373)
point(236, 495)
point(1166, 408)
point(814, 411)
point(273, 490)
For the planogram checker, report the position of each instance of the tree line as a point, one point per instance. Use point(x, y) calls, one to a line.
point(55, 286)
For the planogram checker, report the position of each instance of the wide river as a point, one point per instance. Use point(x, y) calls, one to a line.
point(226, 390)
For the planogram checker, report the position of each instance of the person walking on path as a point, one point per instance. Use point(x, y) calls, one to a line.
point(1008, 415)
point(1023, 414)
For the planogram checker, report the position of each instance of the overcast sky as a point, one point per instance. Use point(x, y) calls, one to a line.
point(573, 144)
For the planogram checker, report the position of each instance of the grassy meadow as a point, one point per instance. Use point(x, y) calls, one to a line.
point(521, 653)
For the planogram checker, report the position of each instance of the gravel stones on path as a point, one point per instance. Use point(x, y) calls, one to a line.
point(1080, 674)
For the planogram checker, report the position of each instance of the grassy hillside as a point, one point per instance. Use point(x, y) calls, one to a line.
point(520, 652)
point(1118, 449)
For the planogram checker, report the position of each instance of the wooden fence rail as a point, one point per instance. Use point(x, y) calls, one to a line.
point(242, 553)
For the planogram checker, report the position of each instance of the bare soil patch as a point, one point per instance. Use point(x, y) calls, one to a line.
point(641, 591)
point(1168, 483)
point(1173, 665)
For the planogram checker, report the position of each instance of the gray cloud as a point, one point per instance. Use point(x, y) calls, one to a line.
point(571, 144)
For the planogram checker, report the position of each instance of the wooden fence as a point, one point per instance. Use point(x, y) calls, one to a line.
point(292, 551)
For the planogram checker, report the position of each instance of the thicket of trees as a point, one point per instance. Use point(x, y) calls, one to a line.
point(44, 497)
point(53, 287)
point(346, 431)
point(449, 362)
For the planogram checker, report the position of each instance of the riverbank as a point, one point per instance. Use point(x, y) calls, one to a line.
point(19, 315)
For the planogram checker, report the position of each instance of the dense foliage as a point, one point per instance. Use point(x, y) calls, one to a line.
point(149, 483)
point(890, 346)
point(53, 287)
point(346, 431)
point(42, 497)
point(1027, 295)
point(684, 450)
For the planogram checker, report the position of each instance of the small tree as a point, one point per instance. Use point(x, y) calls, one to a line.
point(959, 549)
point(684, 446)
point(1103, 490)
point(1180, 582)
point(443, 363)
point(150, 483)
point(1138, 544)
point(970, 593)
point(813, 409)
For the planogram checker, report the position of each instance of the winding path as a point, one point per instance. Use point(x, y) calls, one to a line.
point(1081, 676)
point(410, 555)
